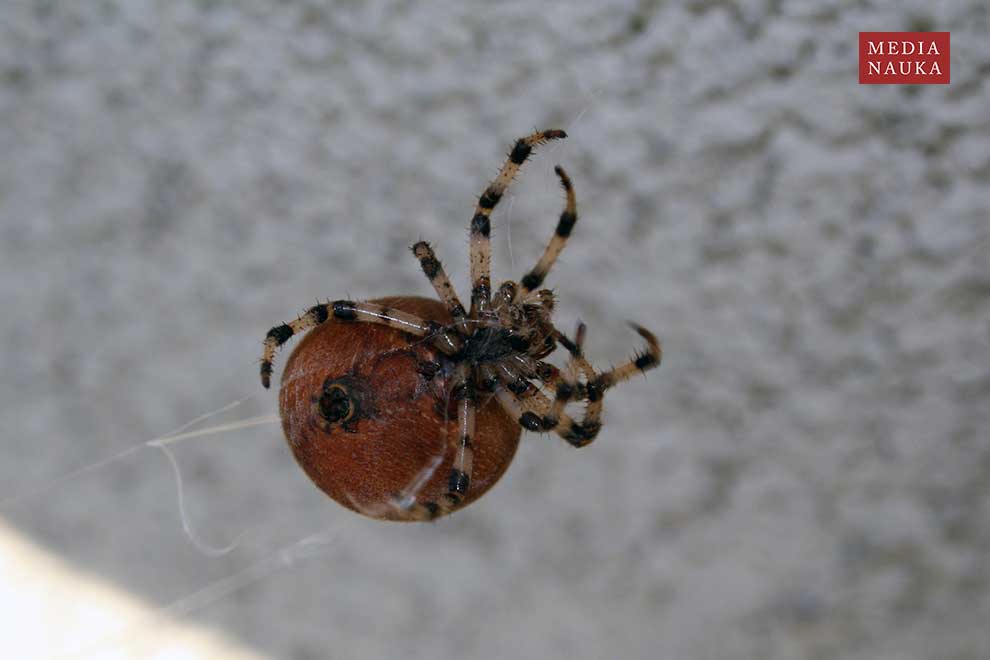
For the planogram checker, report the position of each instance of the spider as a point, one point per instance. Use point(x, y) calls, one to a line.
point(368, 395)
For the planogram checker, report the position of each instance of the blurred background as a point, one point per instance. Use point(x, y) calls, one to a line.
point(806, 476)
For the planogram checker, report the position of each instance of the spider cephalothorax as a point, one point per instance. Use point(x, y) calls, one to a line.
point(461, 359)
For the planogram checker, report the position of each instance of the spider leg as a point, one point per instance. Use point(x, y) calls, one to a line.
point(433, 270)
point(511, 378)
point(524, 412)
point(576, 350)
point(481, 223)
point(565, 224)
point(460, 474)
point(533, 412)
point(537, 413)
point(562, 382)
point(348, 310)
point(641, 362)
point(593, 394)
point(593, 391)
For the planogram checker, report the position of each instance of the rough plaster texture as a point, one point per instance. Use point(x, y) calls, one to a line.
point(808, 474)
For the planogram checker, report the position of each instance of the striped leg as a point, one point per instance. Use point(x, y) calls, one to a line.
point(562, 382)
point(348, 310)
point(641, 362)
point(568, 217)
point(594, 390)
point(577, 359)
point(460, 474)
point(533, 411)
point(481, 223)
point(592, 394)
point(522, 412)
point(433, 270)
point(536, 412)
point(513, 376)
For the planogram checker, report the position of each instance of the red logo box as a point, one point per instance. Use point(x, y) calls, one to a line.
point(903, 58)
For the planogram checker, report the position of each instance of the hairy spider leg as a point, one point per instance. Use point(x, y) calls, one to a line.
point(564, 385)
point(640, 362)
point(348, 310)
point(466, 400)
point(481, 221)
point(593, 391)
point(568, 217)
point(532, 409)
point(434, 272)
point(459, 480)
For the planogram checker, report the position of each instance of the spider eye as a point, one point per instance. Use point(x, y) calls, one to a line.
point(335, 404)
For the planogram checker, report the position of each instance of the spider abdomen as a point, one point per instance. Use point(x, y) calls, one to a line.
point(366, 410)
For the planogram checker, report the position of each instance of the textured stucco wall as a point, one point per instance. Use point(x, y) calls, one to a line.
point(808, 474)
